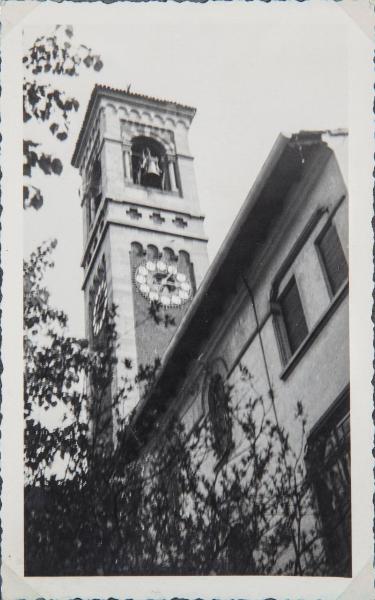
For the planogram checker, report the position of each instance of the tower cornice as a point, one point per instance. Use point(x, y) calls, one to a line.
point(132, 98)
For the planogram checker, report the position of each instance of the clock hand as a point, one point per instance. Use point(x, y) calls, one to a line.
point(166, 280)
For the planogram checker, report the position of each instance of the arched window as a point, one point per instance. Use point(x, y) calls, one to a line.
point(149, 163)
point(218, 405)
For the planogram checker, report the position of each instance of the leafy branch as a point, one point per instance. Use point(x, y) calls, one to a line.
point(58, 56)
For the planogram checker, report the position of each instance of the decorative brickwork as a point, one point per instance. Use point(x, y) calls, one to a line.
point(180, 222)
point(134, 213)
point(157, 218)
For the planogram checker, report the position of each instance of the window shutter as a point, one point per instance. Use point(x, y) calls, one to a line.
point(334, 258)
point(294, 318)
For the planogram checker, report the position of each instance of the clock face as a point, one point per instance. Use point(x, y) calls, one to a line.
point(159, 281)
point(100, 308)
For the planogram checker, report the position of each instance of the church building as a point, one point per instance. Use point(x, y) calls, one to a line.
point(273, 302)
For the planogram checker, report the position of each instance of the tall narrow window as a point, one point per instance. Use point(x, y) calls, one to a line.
point(293, 315)
point(333, 258)
point(328, 464)
point(88, 212)
point(96, 186)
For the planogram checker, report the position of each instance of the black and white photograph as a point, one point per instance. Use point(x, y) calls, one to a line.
point(190, 395)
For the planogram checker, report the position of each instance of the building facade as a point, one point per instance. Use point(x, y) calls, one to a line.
point(275, 303)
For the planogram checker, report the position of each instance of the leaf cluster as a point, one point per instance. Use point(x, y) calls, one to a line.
point(55, 56)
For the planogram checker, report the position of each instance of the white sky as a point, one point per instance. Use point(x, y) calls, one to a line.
point(250, 72)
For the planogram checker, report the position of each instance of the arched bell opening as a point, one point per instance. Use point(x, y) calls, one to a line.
point(149, 163)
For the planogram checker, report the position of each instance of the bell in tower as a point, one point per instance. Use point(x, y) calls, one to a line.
point(149, 163)
point(150, 174)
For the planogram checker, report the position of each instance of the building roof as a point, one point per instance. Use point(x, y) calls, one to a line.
point(107, 90)
point(284, 166)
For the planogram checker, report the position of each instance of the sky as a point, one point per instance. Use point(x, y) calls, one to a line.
point(250, 73)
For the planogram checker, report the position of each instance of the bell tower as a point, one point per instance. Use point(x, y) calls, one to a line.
point(145, 250)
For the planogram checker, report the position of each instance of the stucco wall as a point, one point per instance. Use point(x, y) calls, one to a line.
point(321, 374)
